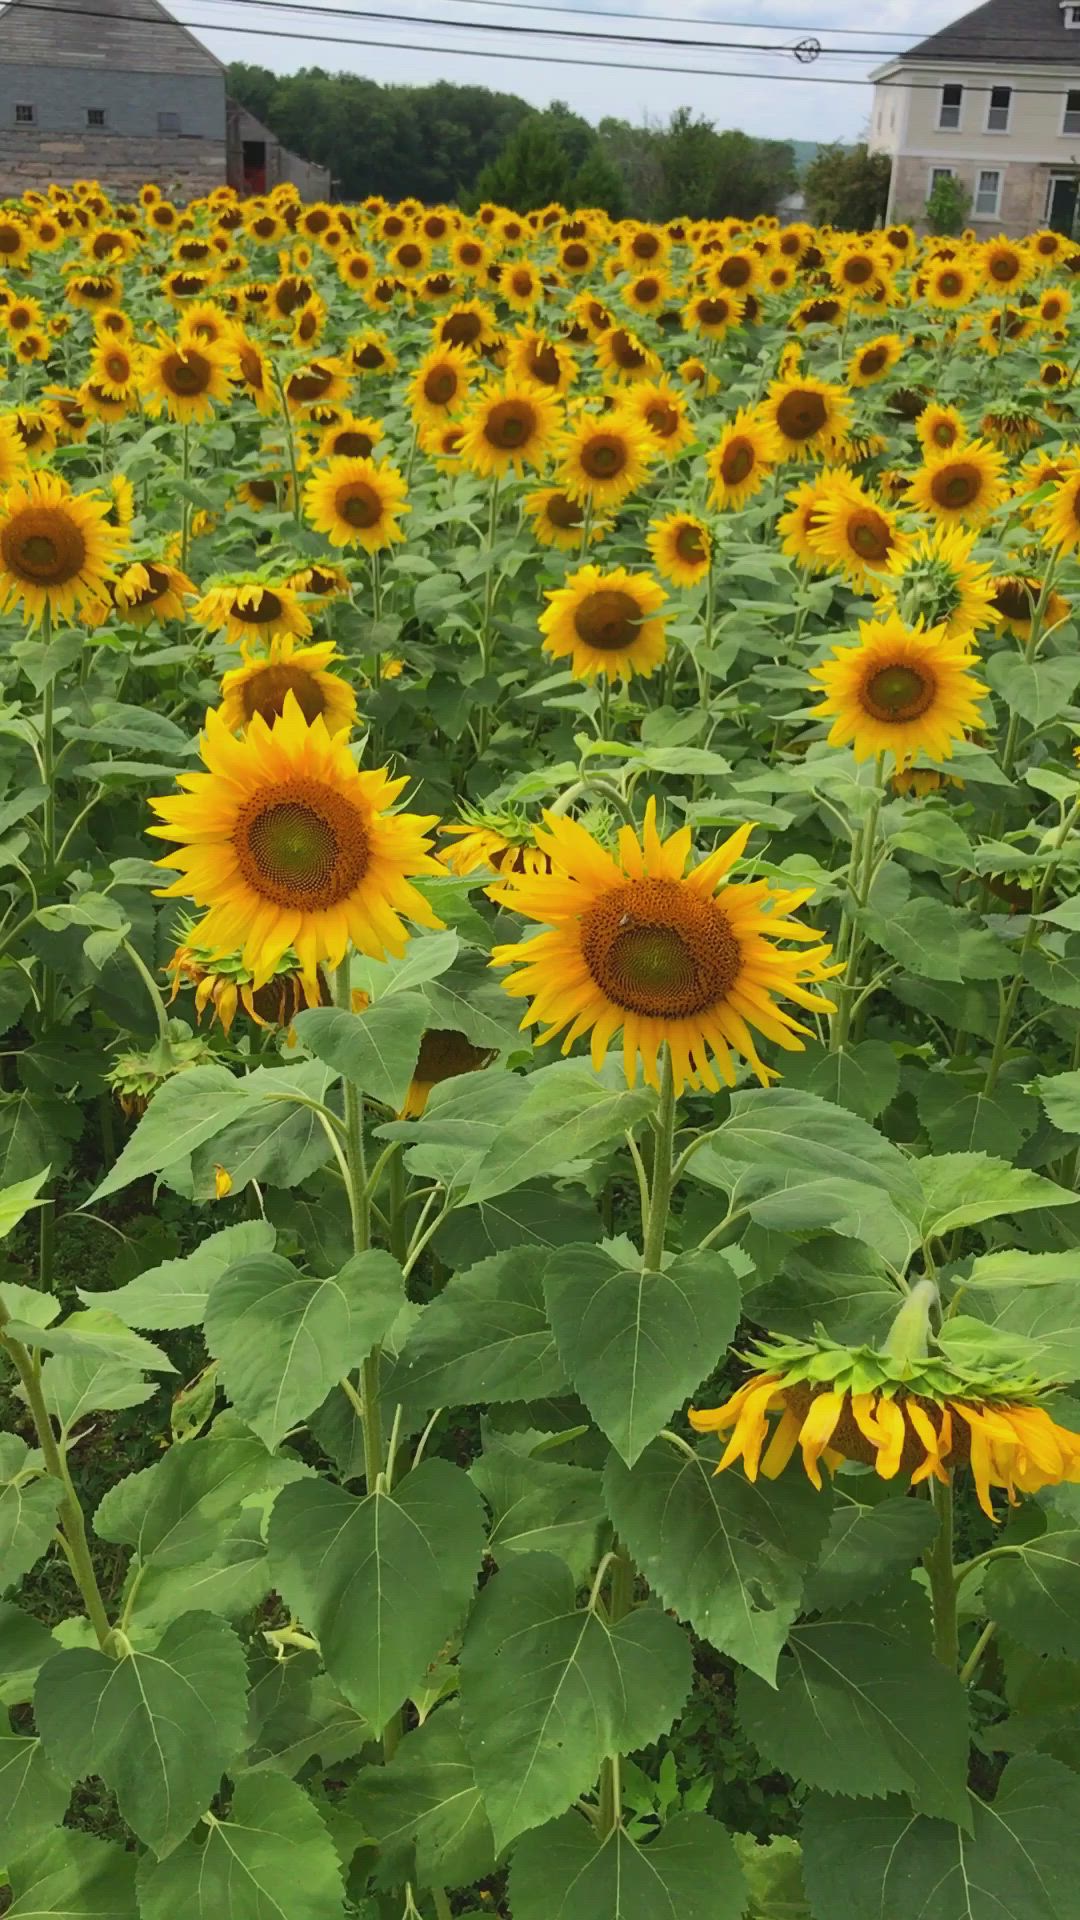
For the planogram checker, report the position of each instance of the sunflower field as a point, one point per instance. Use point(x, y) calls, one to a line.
point(540, 1103)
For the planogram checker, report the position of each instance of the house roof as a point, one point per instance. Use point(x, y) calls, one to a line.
point(1013, 31)
point(130, 36)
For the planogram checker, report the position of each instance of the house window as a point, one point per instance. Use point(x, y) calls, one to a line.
point(939, 173)
point(997, 116)
point(95, 116)
point(1071, 121)
point(168, 123)
point(952, 98)
point(988, 194)
point(25, 115)
point(1072, 16)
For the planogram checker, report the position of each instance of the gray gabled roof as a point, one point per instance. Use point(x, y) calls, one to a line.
point(130, 36)
point(1006, 30)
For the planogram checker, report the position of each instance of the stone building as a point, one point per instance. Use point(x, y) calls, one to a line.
point(119, 91)
point(993, 99)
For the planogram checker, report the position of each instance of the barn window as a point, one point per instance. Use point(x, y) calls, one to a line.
point(95, 116)
point(25, 115)
point(168, 123)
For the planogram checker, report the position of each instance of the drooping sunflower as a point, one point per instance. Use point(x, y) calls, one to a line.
point(440, 385)
point(854, 531)
point(743, 457)
point(681, 547)
point(321, 383)
point(602, 458)
point(57, 548)
point(510, 425)
point(939, 429)
point(262, 684)
point(252, 612)
point(636, 942)
point(499, 843)
point(289, 845)
point(920, 1419)
point(558, 521)
point(806, 414)
point(186, 379)
point(1015, 597)
point(223, 983)
point(821, 310)
point(900, 689)
point(606, 622)
point(963, 487)
point(322, 579)
point(663, 410)
point(356, 503)
point(935, 580)
point(624, 358)
point(149, 590)
point(875, 360)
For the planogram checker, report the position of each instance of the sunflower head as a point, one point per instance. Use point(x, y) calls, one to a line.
point(962, 487)
point(917, 1417)
point(935, 582)
point(356, 502)
point(900, 689)
point(223, 984)
point(606, 622)
point(262, 685)
point(806, 414)
point(681, 547)
point(603, 458)
point(510, 425)
point(251, 611)
point(633, 941)
point(57, 548)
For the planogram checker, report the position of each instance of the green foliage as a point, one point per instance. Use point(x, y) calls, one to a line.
point(948, 204)
point(847, 186)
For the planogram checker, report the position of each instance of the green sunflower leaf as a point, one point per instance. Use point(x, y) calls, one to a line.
point(485, 1337)
point(28, 1509)
point(377, 1049)
point(74, 1877)
point(690, 1871)
point(424, 1811)
point(272, 1846)
point(1034, 1593)
point(33, 1797)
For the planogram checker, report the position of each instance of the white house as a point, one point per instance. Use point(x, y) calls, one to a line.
point(994, 99)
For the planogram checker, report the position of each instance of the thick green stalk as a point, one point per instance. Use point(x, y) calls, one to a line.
point(663, 1163)
point(850, 943)
point(72, 1523)
point(620, 1601)
point(1031, 934)
point(360, 1215)
point(938, 1561)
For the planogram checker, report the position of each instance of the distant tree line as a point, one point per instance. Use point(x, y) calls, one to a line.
point(467, 144)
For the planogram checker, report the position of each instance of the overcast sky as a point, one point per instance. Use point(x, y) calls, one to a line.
point(734, 85)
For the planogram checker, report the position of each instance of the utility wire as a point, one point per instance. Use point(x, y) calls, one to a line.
point(554, 58)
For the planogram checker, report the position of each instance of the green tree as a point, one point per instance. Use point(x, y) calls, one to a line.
point(848, 186)
point(531, 170)
point(707, 175)
point(634, 154)
point(948, 204)
point(598, 183)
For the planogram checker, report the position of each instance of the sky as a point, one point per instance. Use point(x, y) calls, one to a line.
point(736, 84)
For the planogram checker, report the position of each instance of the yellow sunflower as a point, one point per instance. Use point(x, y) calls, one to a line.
point(1015, 597)
point(663, 410)
point(57, 548)
point(936, 581)
point(681, 547)
point(624, 358)
point(606, 622)
point(12, 452)
point(356, 503)
point(354, 436)
point(185, 379)
point(535, 358)
point(289, 845)
point(440, 385)
point(1059, 516)
point(469, 324)
point(918, 1419)
point(252, 371)
point(1005, 265)
point(509, 425)
point(712, 314)
point(806, 415)
point(322, 579)
point(321, 383)
point(939, 429)
point(964, 486)
point(743, 457)
point(149, 590)
point(1055, 306)
point(252, 611)
point(603, 458)
point(635, 942)
point(558, 521)
point(854, 531)
point(521, 287)
point(949, 284)
point(900, 689)
point(499, 843)
point(875, 360)
point(647, 292)
point(261, 685)
point(797, 528)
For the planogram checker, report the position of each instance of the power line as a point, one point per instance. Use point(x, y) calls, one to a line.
point(803, 75)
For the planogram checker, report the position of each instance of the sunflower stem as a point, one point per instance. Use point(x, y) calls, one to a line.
point(151, 985)
point(185, 508)
point(860, 876)
point(971, 1664)
point(620, 1602)
point(663, 1169)
point(489, 606)
point(1031, 934)
point(70, 1513)
point(360, 1214)
point(938, 1561)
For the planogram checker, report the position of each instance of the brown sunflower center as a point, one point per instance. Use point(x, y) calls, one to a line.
point(734, 273)
point(662, 419)
point(712, 312)
point(956, 486)
point(260, 609)
point(801, 413)
point(186, 374)
point(311, 383)
point(603, 456)
point(689, 544)
point(944, 433)
point(645, 246)
point(470, 253)
point(849, 1439)
point(157, 581)
point(737, 462)
point(353, 444)
point(1004, 267)
point(608, 620)
point(657, 949)
point(265, 491)
point(42, 546)
point(444, 1053)
point(118, 368)
point(873, 359)
point(510, 424)
point(543, 363)
point(10, 237)
point(521, 282)
point(898, 692)
point(858, 271)
point(625, 352)
point(265, 692)
point(647, 289)
point(300, 844)
point(462, 329)
point(440, 386)
point(251, 367)
point(434, 226)
point(1014, 599)
point(369, 358)
point(563, 512)
point(870, 536)
point(359, 504)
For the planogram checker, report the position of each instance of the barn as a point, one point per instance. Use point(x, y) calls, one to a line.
point(122, 93)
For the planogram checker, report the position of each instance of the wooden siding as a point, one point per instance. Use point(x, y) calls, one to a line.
point(53, 33)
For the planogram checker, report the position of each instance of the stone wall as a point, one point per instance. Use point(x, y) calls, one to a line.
point(1023, 194)
point(181, 166)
